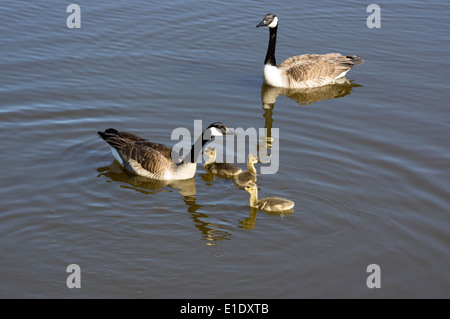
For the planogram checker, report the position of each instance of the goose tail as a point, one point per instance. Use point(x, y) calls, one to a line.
point(354, 60)
point(107, 133)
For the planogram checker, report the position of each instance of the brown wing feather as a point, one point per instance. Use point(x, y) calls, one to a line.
point(139, 141)
point(129, 136)
point(161, 148)
point(146, 157)
point(317, 69)
point(139, 153)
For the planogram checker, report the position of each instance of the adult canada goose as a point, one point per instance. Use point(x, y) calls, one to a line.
point(270, 204)
point(245, 177)
point(154, 160)
point(221, 169)
point(302, 71)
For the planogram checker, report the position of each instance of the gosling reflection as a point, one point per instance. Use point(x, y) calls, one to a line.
point(307, 96)
point(250, 222)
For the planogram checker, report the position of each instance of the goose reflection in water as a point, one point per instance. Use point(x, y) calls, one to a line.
point(211, 232)
point(306, 96)
point(116, 173)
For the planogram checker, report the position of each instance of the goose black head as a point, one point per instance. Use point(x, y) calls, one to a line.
point(218, 129)
point(270, 20)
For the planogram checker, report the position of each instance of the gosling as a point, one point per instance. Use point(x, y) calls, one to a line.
point(248, 176)
point(226, 170)
point(269, 204)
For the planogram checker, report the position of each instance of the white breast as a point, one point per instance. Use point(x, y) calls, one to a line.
point(272, 76)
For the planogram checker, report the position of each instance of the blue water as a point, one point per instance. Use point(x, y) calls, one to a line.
point(366, 164)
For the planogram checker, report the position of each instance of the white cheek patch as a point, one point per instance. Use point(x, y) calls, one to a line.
point(274, 23)
point(215, 132)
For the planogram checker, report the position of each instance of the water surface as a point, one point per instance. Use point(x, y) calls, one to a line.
point(366, 162)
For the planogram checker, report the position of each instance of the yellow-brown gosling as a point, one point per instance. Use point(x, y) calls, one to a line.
point(270, 204)
point(222, 169)
point(245, 177)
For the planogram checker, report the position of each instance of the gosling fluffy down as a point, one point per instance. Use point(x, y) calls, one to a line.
point(248, 176)
point(270, 204)
point(226, 170)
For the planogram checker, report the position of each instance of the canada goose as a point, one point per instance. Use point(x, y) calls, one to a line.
point(154, 160)
point(270, 204)
point(245, 177)
point(302, 71)
point(221, 169)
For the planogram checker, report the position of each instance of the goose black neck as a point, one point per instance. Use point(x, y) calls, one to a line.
point(270, 56)
point(196, 149)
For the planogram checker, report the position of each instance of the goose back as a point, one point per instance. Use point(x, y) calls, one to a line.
point(312, 70)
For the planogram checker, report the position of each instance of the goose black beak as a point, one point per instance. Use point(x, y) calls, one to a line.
point(230, 132)
point(263, 23)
